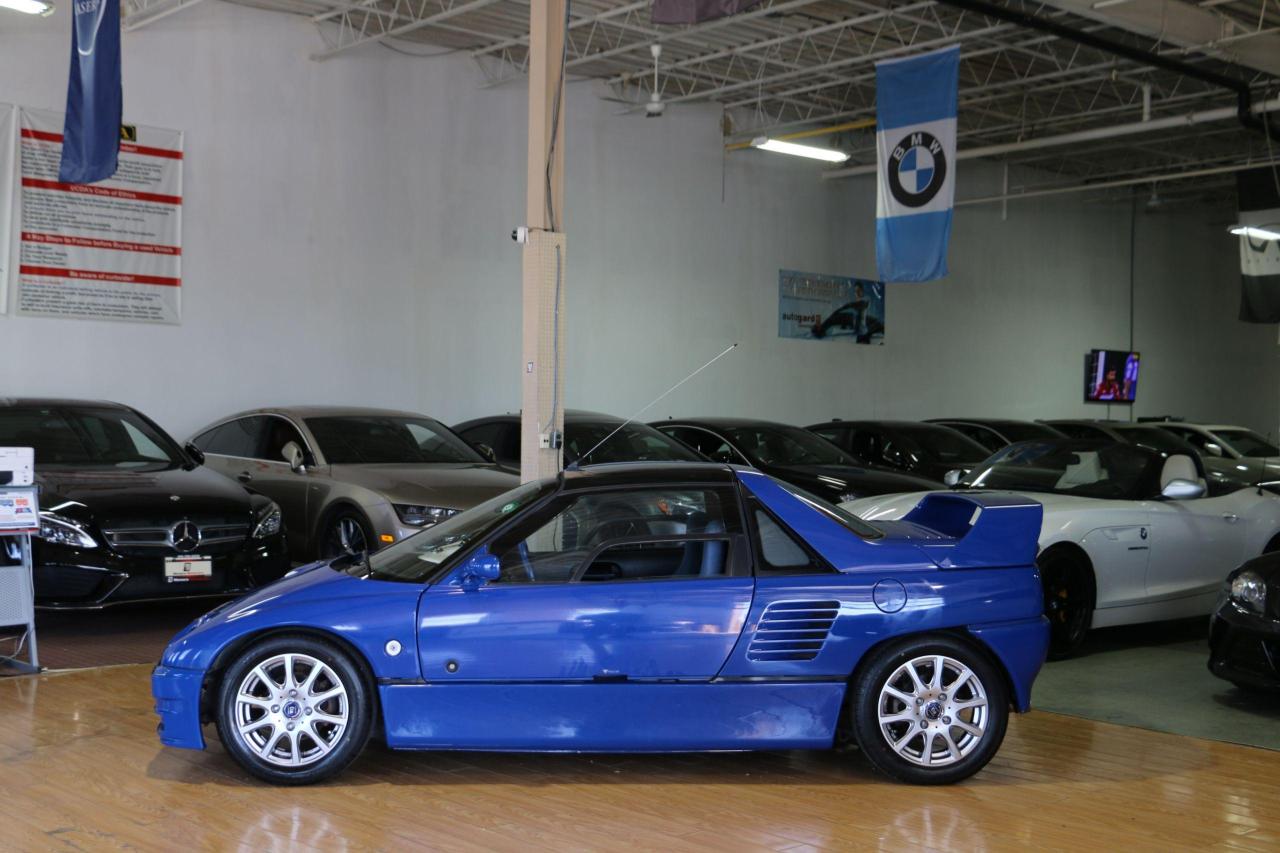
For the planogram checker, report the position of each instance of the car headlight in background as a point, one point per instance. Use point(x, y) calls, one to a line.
point(269, 522)
point(416, 515)
point(60, 530)
point(1249, 591)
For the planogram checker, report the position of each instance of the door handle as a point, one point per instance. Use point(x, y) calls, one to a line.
point(1230, 517)
point(244, 476)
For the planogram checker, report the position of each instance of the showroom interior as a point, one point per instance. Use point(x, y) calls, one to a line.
point(498, 223)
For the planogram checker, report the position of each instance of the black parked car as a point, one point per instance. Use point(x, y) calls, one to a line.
point(128, 515)
point(1244, 631)
point(636, 442)
point(997, 433)
point(792, 454)
point(926, 450)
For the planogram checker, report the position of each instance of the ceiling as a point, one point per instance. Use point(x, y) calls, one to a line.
point(788, 65)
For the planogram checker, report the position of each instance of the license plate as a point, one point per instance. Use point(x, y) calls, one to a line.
point(187, 569)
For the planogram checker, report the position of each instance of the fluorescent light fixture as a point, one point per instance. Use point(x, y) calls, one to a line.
point(813, 152)
point(28, 7)
point(1242, 230)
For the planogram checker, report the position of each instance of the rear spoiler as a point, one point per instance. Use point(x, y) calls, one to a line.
point(987, 529)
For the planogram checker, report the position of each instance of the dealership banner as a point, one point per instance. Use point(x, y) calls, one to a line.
point(1259, 200)
point(105, 251)
point(8, 168)
point(830, 308)
point(915, 159)
point(95, 98)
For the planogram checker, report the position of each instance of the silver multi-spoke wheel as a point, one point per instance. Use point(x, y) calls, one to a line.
point(291, 710)
point(933, 710)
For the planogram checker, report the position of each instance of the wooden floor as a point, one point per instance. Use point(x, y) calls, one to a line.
point(80, 768)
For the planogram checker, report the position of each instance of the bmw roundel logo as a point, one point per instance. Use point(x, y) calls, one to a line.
point(917, 169)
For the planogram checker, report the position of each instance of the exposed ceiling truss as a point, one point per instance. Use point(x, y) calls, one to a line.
point(795, 64)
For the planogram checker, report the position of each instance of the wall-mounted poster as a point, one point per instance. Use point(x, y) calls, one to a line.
point(830, 308)
point(105, 251)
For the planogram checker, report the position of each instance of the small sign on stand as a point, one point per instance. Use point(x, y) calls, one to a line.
point(19, 520)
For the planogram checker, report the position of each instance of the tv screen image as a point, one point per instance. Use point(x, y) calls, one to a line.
point(1111, 376)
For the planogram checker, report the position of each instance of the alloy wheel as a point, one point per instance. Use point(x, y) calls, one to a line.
point(933, 711)
point(291, 710)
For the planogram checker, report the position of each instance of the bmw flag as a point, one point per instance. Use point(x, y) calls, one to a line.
point(916, 154)
point(91, 134)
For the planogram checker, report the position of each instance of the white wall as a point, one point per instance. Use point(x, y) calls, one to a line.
point(347, 240)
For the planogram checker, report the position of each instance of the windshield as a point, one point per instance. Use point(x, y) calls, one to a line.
point(88, 437)
point(1247, 443)
point(632, 443)
point(417, 557)
point(1016, 431)
point(784, 445)
point(388, 439)
point(1091, 470)
point(937, 442)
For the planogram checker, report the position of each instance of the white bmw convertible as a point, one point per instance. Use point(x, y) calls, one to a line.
point(1129, 535)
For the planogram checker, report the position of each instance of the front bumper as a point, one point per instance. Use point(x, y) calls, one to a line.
point(177, 694)
point(1244, 647)
point(86, 579)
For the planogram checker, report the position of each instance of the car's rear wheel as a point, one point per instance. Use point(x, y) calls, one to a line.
point(929, 710)
point(1068, 601)
point(345, 534)
point(294, 710)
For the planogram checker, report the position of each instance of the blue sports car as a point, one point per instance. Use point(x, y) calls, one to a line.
point(634, 608)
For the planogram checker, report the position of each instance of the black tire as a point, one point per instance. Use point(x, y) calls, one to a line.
point(1068, 600)
point(305, 728)
point(335, 539)
point(938, 717)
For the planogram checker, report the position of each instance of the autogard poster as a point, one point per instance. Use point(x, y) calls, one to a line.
point(830, 308)
point(8, 151)
point(105, 251)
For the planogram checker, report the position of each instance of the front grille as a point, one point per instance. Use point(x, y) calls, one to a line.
point(151, 537)
point(793, 630)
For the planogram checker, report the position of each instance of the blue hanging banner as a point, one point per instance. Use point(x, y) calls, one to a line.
point(95, 97)
point(916, 155)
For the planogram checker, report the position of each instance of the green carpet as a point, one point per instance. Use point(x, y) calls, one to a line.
point(1155, 677)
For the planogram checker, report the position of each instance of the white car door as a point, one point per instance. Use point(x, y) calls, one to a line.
point(1194, 544)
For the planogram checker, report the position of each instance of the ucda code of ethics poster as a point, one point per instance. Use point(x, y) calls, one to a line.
point(105, 251)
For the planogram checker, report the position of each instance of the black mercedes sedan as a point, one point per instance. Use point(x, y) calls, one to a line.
point(923, 449)
point(128, 515)
point(1244, 630)
point(998, 433)
point(498, 437)
point(792, 454)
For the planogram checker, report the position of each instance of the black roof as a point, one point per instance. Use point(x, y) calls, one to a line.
point(722, 423)
point(642, 473)
point(14, 402)
point(881, 423)
point(991, 422)
point(571, 416)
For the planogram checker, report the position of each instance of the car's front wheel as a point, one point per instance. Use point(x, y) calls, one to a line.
point(346, 533)
point(294, 710)
point(929, 710)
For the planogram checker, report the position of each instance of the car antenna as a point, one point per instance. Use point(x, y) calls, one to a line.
point(574, 465)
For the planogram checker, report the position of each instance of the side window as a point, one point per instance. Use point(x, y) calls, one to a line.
point(661, 533)
point(838, 436)
point(145, 447)
point(279, 432)
point(238, 438)
point(483, 434)
point(865, 445)
point(708, 444)
point(780, 552)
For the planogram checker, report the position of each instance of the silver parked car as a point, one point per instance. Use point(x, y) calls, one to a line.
point(350, 480)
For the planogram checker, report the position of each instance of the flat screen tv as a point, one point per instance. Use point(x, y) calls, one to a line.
point(1111, 376)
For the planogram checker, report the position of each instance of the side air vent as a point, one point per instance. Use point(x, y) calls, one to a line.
point(793, 630)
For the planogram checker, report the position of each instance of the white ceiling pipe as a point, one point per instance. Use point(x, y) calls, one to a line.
point(1091, 135)
point(1121, 182)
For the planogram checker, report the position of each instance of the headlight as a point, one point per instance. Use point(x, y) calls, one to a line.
point(59, 530)
point(269, 522)
point(1249, 591)
point(417, 515)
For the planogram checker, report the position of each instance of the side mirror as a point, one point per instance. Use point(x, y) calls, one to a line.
point(196, 454)
point(953, 476)
point(1213, 449)
point(486, 451)
point(481, 568)
point(293, 454)
point(1182, 490)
